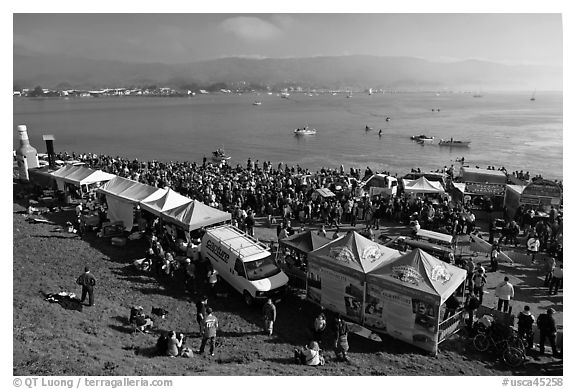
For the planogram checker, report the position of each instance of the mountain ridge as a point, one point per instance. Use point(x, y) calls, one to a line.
point(333, 72)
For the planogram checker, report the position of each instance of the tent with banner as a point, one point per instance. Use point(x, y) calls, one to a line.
point(194, 215)
point(422, 186)
point(169, 200)
point(122, 195)
point(404, 296)
point(337, 271)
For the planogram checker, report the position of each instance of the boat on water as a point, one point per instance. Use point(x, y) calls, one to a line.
point(368, 128)
point(388, 118)
point(219, 156)
point(284, 95)
point(257, 103)
point(533, 98)
point(305, 131)
point(454, 143)
point(422, 138)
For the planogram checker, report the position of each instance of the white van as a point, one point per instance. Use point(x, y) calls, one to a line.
point(246, 264)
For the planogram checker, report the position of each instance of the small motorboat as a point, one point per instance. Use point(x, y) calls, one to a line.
point(454, 143)
point(257, 103)
point(368, 128)
point(422, 138)
point(388, 118)
point(219, 156)
point(305, 131)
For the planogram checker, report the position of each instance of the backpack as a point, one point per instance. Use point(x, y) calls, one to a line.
point(525, 321)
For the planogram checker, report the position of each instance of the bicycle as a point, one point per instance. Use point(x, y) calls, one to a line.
point(510, 348)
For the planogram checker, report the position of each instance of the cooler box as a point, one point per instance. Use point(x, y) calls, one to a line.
point(119, 241)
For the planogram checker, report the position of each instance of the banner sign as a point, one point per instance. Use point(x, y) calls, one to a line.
point(409, 318)
point(485, 189)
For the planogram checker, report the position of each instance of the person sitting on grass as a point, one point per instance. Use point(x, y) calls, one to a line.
point(310, 355)
point(173, 344)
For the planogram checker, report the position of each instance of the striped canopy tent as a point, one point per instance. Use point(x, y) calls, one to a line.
point(169, 200)
point(194, 215)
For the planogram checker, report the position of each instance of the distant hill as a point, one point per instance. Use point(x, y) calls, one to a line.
point(358, 71)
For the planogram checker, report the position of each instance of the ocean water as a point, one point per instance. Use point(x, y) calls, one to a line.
point(504, 129)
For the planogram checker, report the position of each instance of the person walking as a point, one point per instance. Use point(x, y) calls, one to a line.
point(269, 313)
point(201, 308)
point(504, 292)
point(210, 324)
point(525, 322)
point(341, 343)
point(547, 326)
point(87, 281)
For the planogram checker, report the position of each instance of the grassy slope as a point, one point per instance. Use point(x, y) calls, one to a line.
point(49, 340)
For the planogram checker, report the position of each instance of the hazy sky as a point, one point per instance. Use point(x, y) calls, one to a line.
point(176, 38)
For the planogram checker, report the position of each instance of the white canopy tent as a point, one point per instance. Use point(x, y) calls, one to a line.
point(160, 205)
point(422, 185)
point(195, 214)
point(123, 194)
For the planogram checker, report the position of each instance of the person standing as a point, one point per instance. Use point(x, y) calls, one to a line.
point(88, 282)
point(533, 245)
point(549, 266)
point(479, 280)
point(471, 305)
point(494, 258)
point(269, 313)
point(547, 326)
point(250, 222)
point(341, 343)
point(557, 277)
point(212, 280)
point(210, 324)
point(201, 308)
point(319, 327)
point(504, 292)
point(525, 322)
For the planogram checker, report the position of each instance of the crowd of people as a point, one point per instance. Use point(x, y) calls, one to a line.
point(288, 194)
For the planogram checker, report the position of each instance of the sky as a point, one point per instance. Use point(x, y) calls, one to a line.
point(513, 38)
